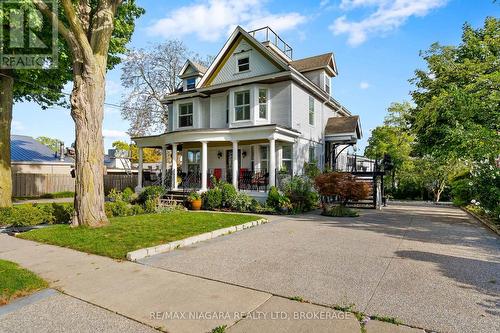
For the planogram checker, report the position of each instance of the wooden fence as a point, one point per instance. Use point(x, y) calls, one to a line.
point(35, 185)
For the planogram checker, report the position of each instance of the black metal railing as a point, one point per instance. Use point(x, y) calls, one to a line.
point(267, 34)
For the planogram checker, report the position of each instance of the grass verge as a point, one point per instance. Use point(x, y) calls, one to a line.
point(130, 233)
point(16, 282)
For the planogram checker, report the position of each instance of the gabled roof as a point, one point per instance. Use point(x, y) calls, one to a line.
point(238, 34)
point(323, 61)
point(343, 127)
point(198, 69)
point(26, 149)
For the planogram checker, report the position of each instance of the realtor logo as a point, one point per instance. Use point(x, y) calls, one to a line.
point(28, 39)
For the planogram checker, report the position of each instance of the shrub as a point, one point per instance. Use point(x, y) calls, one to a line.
point(63, 213)
point(151, 205)
point(151, 192)
point(212, 199)
point(301, 193)
point(229, 194)
point(114, 195)
point(341, 185)
point(136, 210)
point(462, 192)
point(193, 196)
point(242, 202)
point(273, 197)
point(339, 211)
point(22, 216)
point(118, 208)
point(128, 195)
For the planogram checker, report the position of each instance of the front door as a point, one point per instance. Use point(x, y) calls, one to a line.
point(229, 164)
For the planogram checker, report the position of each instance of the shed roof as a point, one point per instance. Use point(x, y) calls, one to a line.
point(341, 126)
point(26, 149)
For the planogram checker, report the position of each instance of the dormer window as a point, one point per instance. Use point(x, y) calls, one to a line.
point(190, 83)
point(327, 83)
point(243, 64)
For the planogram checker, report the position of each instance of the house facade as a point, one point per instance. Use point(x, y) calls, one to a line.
point(254, 113)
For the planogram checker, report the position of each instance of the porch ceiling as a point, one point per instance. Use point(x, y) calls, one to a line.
point(222, 137)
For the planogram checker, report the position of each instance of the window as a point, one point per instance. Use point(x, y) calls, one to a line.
point(193, 161)
point(311, 110)
point(190, 83)
point(264, 158)
point(243, 64)
point(312, 155)
point(327, 83)
point(242, 105)
point(227, 109)
point(286, 159)
point(263, 103)
point(186, 115)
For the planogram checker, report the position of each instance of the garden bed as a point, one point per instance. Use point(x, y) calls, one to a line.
point(130, 233)
point(16, 282)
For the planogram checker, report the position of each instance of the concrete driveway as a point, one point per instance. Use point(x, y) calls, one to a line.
point(429, 267)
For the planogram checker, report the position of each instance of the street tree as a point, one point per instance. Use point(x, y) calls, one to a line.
point(95, 34)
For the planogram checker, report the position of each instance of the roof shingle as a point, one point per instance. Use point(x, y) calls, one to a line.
point(310, 63)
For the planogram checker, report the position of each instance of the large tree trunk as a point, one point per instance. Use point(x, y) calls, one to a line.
point(6, 95)
point(87, 101)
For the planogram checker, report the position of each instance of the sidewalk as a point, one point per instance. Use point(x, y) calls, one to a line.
point(164, 299)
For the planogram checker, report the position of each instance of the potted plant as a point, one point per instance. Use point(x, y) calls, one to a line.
point(195, 199)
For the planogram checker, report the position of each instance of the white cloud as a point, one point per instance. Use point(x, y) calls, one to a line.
point(211, 19)
point(109, 133)
point(388, 15)
point(17, 126)
point(364, 85)
point(323, 3)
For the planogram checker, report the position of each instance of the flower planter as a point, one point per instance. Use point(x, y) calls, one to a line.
point(196, 204)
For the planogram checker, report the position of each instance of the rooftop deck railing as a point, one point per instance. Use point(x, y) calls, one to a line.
point(267, 34)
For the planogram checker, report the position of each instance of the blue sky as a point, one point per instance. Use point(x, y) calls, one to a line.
point(376, 45)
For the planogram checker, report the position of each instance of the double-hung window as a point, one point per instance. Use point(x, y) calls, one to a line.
point(190, 83)
point(243, 64)
point(312, 155)
point(311, 110)
point(263, 103)
point(264, 158)
point(242, 105)
point(286, 158)
point(186, 115)
point(327, 83)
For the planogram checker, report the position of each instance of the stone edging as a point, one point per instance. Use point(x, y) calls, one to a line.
point(150, 251)
point(488, 224)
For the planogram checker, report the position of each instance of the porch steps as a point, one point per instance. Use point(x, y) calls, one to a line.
point(177, 197)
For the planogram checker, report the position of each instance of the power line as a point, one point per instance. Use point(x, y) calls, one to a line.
point(116, 106)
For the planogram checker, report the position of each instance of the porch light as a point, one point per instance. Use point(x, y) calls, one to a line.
point(219, 154)
point(244, 153)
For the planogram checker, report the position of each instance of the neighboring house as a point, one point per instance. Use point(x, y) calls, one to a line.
point(29, 156)
point(254, 112)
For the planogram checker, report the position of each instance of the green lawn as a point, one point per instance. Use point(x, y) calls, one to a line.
point(125, 234)
point(16, 282)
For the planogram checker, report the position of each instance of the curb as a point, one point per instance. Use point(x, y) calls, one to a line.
point(163, 248)
point(486, 223)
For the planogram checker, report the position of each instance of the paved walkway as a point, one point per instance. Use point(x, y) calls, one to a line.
point(43, 201)
point(168, 301)
point(430, 267)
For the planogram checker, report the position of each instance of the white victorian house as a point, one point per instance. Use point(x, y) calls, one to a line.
point(253, 113)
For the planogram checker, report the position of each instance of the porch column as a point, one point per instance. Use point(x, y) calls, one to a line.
point(235, 164)
point(163, 164)
point(139, 169)
point(174, 166)
point(272, 162)
point(204, 168)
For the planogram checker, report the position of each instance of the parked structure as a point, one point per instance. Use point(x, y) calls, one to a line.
point(253, 112)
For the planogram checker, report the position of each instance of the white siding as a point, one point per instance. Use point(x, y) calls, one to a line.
point(259, 65)
point(218, 111)
point(280, 105)
point(204, 113)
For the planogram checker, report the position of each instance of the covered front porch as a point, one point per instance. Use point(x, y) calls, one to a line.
point(247, 157)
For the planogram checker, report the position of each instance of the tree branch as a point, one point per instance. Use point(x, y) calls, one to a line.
point(77, 29)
